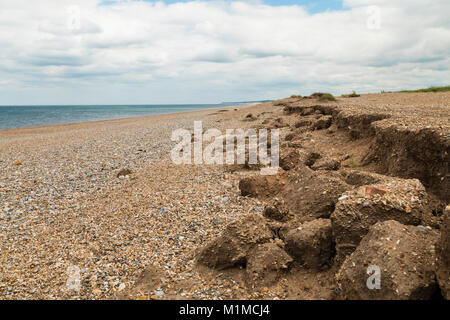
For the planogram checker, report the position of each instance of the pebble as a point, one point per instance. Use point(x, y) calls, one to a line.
point(422, 229)
point(159, 293)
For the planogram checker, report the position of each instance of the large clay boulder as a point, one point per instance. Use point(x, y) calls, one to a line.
point(312, 194)
point(392, 262)
point(357, 210)
point(266, 262)
point(231, 248)
point(443, 270)
point(311, 243)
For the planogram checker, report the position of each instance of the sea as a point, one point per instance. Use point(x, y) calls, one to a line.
point(30, 116)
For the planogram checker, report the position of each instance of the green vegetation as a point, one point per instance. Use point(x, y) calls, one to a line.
point(351, 162)
point(327, 97)
point(323, 96)
point(430, 89)
point(352, 95)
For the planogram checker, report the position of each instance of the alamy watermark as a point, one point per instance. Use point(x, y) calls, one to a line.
point(74, 280)
point(373, 21)
point(74, 18)
point(374, 280)
point(209, 147)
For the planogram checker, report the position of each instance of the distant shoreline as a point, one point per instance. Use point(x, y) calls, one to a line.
point(82, 124)
point(114, 118)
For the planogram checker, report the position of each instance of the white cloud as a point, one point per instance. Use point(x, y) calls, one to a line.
point(141, 52)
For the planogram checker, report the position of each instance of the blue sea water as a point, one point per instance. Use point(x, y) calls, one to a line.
point(29, 116)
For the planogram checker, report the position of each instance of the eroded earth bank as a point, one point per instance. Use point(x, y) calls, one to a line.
point(363, 191)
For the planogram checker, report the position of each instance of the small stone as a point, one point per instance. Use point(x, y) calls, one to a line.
point(371, 191)
point(279, 242)
point(97, 292)
point(124, 173)
point(422, 229)
point(159, 293)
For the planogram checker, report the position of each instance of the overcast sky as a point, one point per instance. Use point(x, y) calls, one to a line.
point(151, 52)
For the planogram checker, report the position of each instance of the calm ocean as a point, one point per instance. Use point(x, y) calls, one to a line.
point(28, 116)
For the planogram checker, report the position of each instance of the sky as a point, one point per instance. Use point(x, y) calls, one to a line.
point(170, 52)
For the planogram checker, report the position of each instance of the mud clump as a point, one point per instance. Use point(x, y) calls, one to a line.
point(277, 210)
point(361, 178)
point(279, 123)
point(312, 158)
point(443, 269)
point(311, 243)
point(293, 157)
point(289, 159)
point(260, 186)
point(326, 164)
point(403, 255)
point(303, 123)
point(266, 262)
point(250, 117)
point(324, 122)
point(250, 244)
point(233, 246)
point(357, 210)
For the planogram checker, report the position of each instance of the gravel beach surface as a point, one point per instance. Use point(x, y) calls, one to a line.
point(66, 209)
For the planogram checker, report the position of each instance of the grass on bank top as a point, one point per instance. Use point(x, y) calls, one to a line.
point(329, 97)
point(351, 95)
point(430, 89)
point(326, 97)
point(317, 95)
